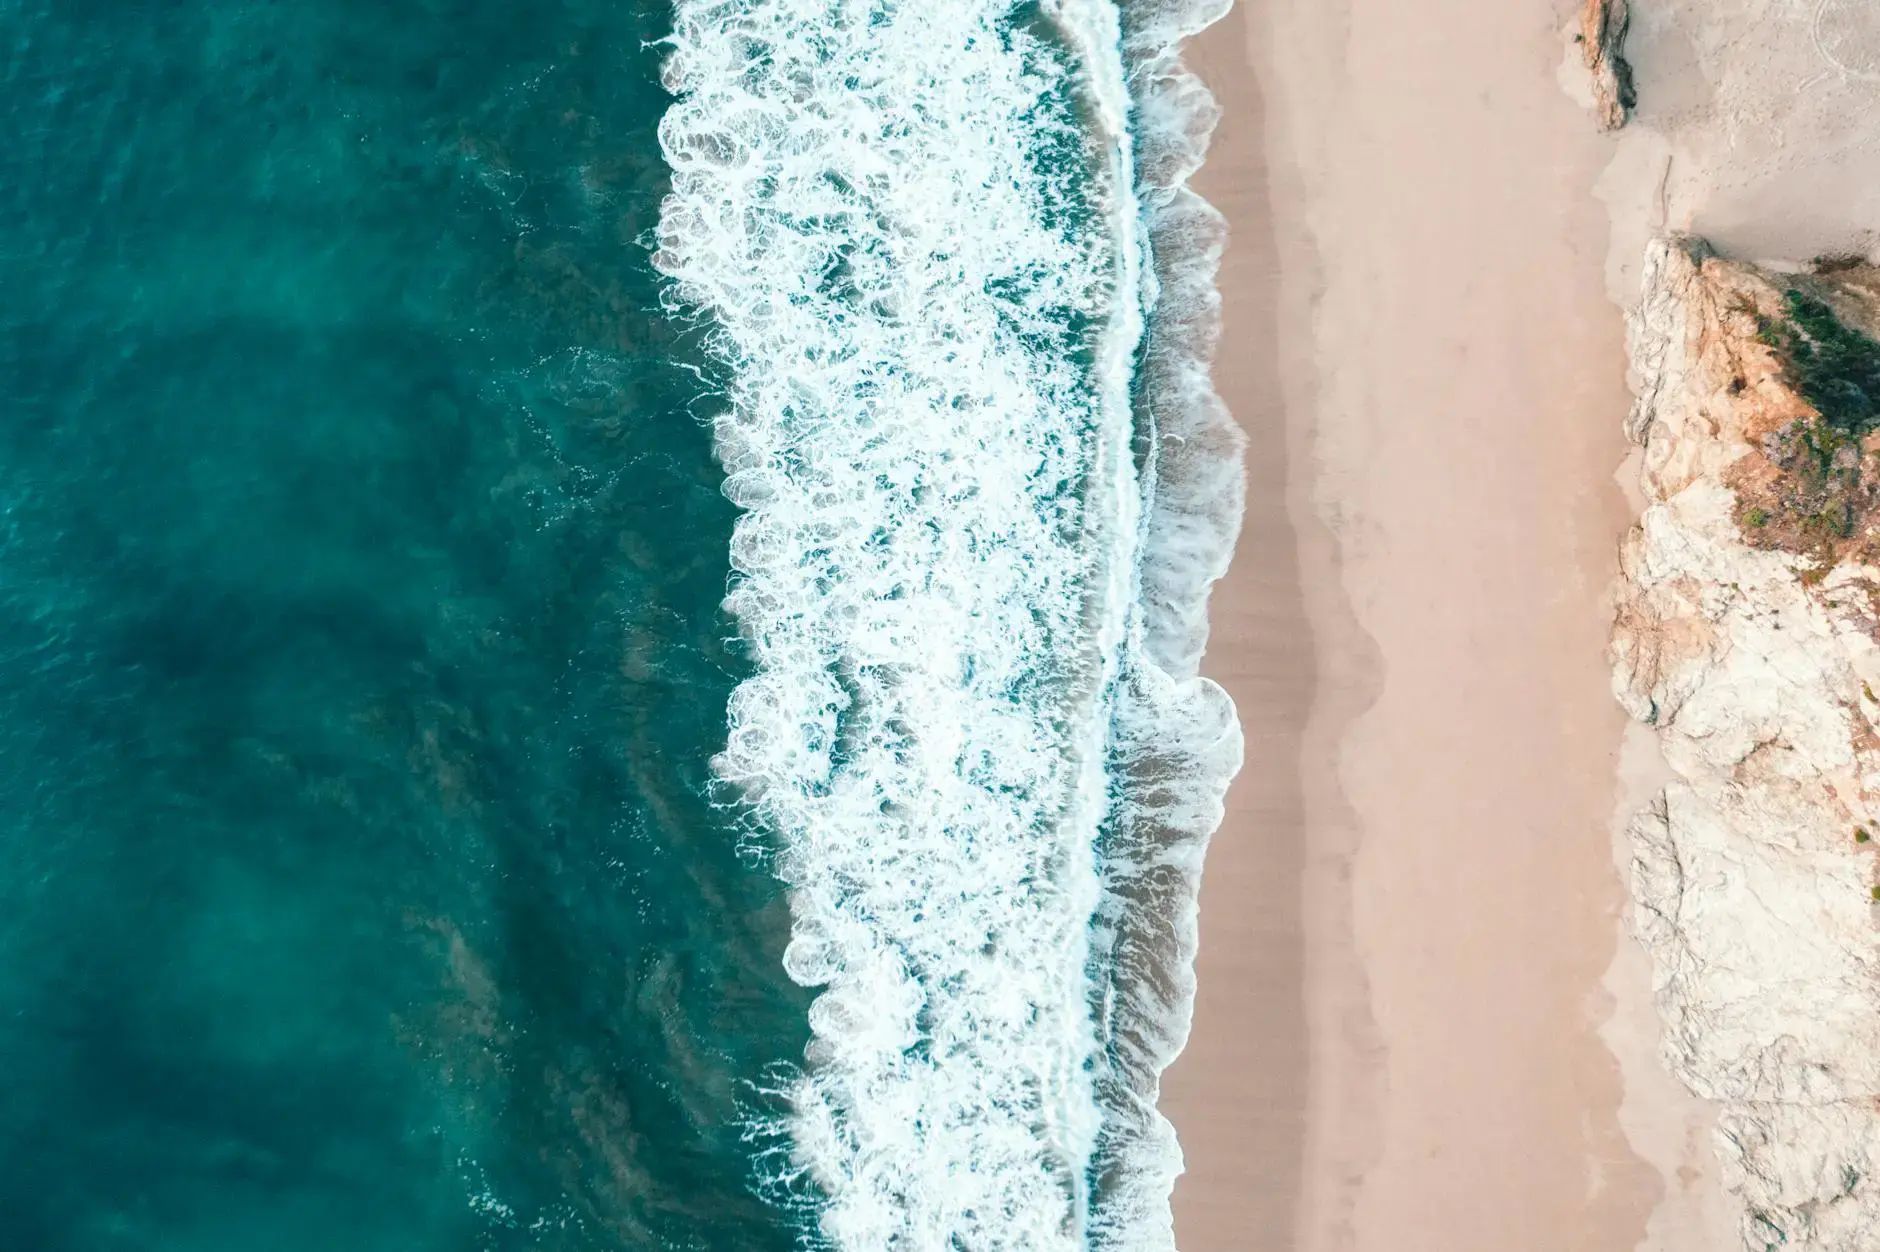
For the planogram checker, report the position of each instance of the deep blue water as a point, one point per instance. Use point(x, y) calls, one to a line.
point(360, 650)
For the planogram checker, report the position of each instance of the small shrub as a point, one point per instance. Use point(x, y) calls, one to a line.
point(1861, 835)
point(1756, 518)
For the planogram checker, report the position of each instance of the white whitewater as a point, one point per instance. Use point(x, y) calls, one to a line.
point(985, 488)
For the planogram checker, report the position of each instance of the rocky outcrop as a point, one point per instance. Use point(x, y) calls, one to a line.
point(1602, 42)
point(1745, 627)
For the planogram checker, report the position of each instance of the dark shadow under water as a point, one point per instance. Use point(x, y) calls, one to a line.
point(360, 652)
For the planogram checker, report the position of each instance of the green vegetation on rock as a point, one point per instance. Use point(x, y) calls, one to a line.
point(1826, 492)
point(1836, 368)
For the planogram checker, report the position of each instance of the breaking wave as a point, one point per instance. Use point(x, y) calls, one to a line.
point(945, 252)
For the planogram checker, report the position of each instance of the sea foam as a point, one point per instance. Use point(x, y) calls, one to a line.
point(985, 488)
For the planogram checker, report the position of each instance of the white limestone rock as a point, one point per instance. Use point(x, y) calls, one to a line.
point(1756, 668)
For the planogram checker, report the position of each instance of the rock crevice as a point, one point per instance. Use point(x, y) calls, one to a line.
point(1603, 25)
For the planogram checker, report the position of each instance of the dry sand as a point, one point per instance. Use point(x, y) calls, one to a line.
point(1413, 977)
point(1755, 128)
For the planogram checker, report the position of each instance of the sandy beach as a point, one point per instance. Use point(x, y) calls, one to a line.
point(1417, 1019)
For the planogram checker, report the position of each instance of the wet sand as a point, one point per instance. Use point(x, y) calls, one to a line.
point(1237, 1093)
point(1408, 919)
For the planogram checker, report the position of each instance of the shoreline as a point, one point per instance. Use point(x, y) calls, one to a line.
point(1444, 1040)
point(1236, 1091)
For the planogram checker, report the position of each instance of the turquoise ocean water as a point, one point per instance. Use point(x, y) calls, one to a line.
point(360, 646)
point(599, 611)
